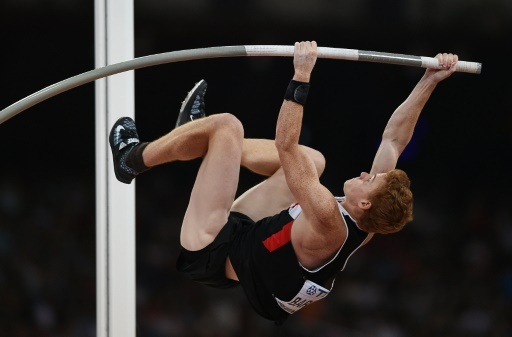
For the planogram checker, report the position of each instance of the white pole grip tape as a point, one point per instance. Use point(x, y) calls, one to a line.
point(364, 55)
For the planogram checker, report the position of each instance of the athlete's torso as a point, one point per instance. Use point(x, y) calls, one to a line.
point(272, 276)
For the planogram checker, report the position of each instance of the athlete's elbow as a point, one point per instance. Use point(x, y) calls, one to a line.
point(397, 136)
point(396, 142)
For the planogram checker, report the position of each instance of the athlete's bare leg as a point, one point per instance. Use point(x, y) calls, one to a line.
point(272, 195)
point(218, 139)
point(260, 156)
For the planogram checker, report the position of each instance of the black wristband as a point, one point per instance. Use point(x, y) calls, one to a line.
point(297, 92)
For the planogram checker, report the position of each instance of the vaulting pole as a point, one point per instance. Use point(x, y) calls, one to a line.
point(226, 51)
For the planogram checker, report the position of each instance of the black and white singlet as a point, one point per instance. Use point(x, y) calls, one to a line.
point(275, 283)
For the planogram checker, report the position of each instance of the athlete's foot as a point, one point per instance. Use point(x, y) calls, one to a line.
point(193, 106)
point(123, 138)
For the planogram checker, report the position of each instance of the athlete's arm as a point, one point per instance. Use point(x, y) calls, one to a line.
point(400, 127)
point(300, 172)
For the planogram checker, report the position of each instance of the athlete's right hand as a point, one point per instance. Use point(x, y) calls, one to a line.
point(448, 61)
point(304, 59)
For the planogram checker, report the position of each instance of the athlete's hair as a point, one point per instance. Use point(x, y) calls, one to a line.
point(391, 206)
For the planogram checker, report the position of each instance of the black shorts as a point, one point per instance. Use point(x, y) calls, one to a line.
point(262, 257)
point(208, 265)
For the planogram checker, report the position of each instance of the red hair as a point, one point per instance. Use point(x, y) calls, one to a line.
point(391, 206)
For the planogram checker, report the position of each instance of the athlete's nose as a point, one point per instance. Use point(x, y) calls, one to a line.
point(363, 175)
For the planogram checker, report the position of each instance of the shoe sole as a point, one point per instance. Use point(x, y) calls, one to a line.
point(185, 101)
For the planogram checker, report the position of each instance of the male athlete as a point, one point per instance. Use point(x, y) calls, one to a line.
point(286, 239)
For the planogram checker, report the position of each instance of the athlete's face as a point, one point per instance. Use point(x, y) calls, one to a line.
point(361, 187)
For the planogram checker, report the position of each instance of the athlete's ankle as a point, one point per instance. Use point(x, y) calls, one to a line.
point(135, 160)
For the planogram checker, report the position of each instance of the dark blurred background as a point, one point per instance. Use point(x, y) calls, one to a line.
point(449, 273)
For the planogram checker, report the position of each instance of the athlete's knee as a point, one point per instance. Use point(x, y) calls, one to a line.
point(228, 122)
point(318, 159)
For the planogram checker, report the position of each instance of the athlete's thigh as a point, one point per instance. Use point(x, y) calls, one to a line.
point(265, 199)
point(212, 195)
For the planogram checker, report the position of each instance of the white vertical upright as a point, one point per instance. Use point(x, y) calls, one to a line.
point(115, 201)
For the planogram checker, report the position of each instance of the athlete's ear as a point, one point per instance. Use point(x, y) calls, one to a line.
point(364, 204)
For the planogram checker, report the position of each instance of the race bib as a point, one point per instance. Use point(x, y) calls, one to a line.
point(310, 292)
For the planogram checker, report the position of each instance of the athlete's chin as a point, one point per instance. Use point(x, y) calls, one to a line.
point(345, 187)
